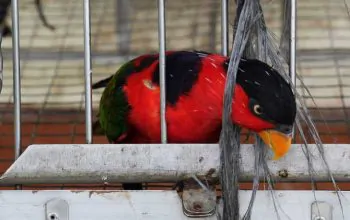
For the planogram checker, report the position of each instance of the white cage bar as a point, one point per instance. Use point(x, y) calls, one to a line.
point(224, 28)
point(292, 48)
point(16, 78)
point(88, 72)
point(162, 49)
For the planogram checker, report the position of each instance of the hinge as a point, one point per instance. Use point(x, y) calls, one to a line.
point(57, 209)
point(321, 211)
point(197, 201)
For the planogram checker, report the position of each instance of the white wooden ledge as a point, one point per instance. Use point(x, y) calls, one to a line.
point(153, 163)
point(156, 205)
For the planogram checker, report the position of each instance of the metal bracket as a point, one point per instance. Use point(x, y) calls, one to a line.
point(57, 209)
point(198, 202)
point(321, 211)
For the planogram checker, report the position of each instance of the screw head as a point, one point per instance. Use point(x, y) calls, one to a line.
point(53, 216)
point(283, 173)
point(197, 206)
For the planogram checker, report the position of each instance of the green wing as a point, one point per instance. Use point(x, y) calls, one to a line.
point(114, 107)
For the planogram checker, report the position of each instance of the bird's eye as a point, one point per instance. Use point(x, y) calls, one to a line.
point(257, 109)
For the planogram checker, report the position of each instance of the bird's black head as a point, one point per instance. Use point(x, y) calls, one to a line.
point(269, 93)
point(264, 102)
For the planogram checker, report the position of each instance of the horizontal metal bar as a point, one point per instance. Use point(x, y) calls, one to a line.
point(118, 205)
point(133, 163)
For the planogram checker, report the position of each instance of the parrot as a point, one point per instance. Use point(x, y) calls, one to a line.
point(129, 107)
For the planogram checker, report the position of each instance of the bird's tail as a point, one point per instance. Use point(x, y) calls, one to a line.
point(96, 126)
point(97, 129)
point(102, 83)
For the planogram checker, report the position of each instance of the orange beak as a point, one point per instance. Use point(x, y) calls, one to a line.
point(279, 142)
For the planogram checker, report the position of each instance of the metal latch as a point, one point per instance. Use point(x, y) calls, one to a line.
point(197, 201)
point(57, 209)
point(321, 211)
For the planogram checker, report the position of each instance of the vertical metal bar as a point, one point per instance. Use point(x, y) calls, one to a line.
point(224, 27)
point(292, 51)
point(292, 47)
point(16, 78)
point(87, 72)
point(162, 39)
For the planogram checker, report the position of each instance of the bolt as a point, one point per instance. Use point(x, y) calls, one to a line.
point(210, 172)
point(283, 173)
point(197, 206)
point(53, 216)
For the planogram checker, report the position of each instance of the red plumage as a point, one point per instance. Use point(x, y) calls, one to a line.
point(197, 115)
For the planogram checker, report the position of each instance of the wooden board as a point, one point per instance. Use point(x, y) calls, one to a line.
point(117, 205)
point(98, 163)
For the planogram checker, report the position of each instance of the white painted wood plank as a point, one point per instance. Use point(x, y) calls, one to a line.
point(156, 162)
point(118, 205)
point(295, 204)
point(93, 205)
point(111, 163)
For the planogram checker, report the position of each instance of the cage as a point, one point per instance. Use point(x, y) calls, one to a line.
point(52, 71)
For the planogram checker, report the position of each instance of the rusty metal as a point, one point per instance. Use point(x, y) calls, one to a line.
point(198, 201)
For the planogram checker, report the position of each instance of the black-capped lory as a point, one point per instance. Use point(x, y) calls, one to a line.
point(129, 110)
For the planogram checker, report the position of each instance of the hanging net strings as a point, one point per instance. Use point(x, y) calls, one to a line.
point(4, 5)
point(252, 39)
point(5, 30)
point(230, 134)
